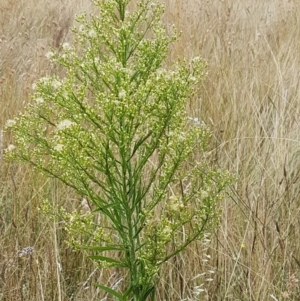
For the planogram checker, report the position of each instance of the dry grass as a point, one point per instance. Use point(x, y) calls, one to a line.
point(251, 101)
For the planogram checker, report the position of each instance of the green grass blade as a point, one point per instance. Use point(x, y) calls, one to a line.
point(111, 291)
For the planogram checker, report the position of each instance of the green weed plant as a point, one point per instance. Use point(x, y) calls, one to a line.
point(115, 129)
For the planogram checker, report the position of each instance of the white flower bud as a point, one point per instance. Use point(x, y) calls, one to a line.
point(10, 148)
point(58, 147)
point(39, 100)
point(9, 123)
point(49, 55)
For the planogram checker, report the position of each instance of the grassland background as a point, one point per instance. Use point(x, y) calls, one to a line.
point(250, 100)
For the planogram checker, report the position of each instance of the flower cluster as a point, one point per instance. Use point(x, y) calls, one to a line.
point(115, 129)
point(27, 251)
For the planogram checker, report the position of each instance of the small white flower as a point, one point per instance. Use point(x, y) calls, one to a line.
point(64, 124)
point(9, 123)
point(58, 147)
point(10, 148)
point(45, 80)
point(34, 86)
point(81, 28)
point(196, 121)
point(56, 84)
point(160, 73)
point(204, 194)
point(196, 59)
point(92, 33)
point(49, 55)
point(167, 230)
point(175, 207)
point(66, 46)
point(122, 94)
point(39, 100)
point(175, 204)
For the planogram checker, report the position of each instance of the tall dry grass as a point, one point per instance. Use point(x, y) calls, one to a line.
point(250, 99)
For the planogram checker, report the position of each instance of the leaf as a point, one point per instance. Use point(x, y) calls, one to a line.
point(105, 248)
point(149, 291)
point(108, 260)
point(111, 291)
point(127, 293)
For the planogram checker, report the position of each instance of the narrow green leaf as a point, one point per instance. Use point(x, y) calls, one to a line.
point(111, 291)
point(106, 248)
point(108, 260)
point(127, 293)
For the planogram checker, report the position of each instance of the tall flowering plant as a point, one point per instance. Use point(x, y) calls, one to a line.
point(115, 129)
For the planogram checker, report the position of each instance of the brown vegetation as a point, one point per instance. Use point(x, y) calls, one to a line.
point(250, 100)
